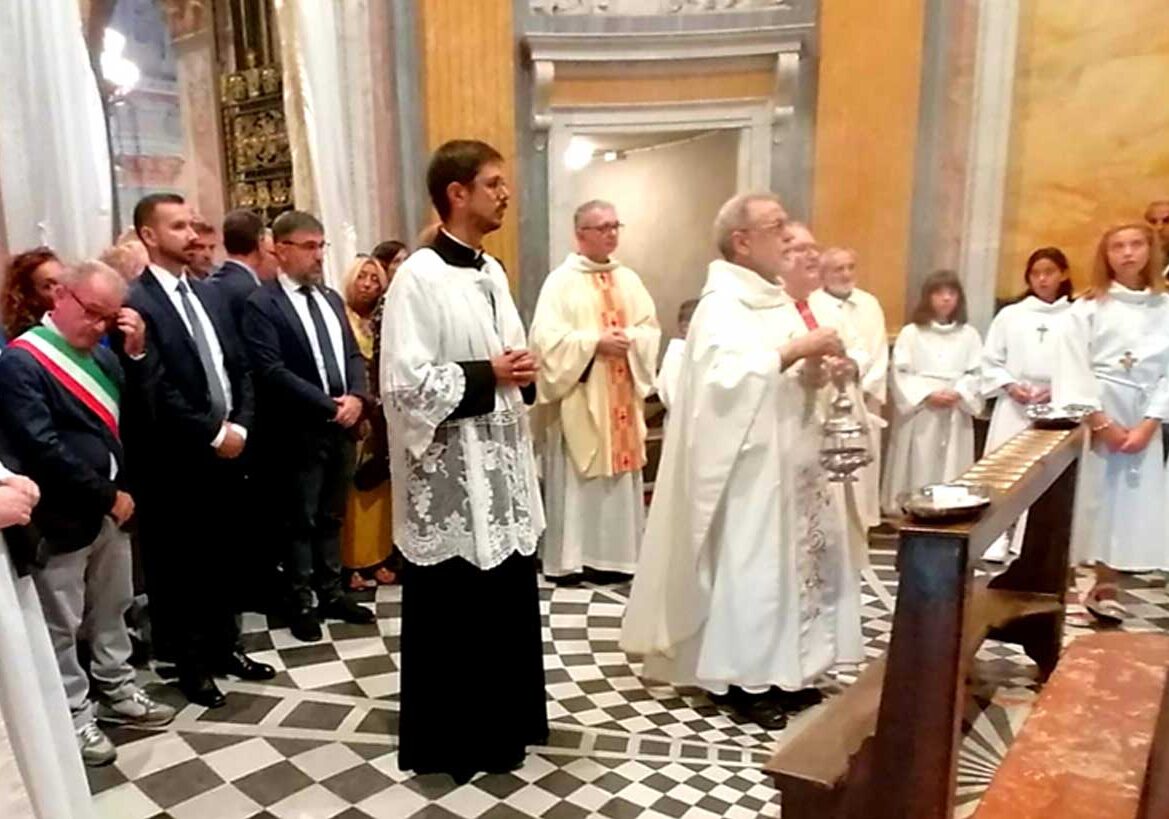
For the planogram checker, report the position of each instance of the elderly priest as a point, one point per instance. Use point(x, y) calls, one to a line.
point(744, 587)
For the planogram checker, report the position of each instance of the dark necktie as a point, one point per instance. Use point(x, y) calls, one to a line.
point(214, 385)
point(332, 372)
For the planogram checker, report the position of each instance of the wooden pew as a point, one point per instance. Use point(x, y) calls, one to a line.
point(1087, 750)
point(887, 747)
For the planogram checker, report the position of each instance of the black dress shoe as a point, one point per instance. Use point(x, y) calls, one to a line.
point(305, 626)
point(793, 702)
point(345, 609)
point(241, 665)
point(756, 708)
point(200, 689)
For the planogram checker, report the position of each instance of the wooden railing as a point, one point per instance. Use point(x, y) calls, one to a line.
point(887, 747)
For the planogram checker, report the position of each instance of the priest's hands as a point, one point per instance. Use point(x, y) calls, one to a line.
point(823, 341)
point(943, 399)
point(614, 343)
point(515, 367)
point(15, 506)
point(1023, 394)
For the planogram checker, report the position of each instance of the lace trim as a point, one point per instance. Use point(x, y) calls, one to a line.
point(471, 494)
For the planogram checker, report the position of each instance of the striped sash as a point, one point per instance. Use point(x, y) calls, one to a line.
point(77, 372)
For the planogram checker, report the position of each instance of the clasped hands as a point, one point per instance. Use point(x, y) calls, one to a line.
point(1122, 439)
point(515, 367)
point(1027, 394)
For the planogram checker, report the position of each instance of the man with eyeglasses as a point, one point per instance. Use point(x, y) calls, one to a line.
point(743, 585)
point(312, 391)
point(186, 425)
point(596, 334)
point(61, 414)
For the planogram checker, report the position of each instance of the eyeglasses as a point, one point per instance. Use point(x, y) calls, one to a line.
point(307, 247)
point(92, 314)
point(608, 227)
point(770, 227)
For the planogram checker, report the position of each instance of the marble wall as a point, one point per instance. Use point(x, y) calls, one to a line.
point(1090, 119)
point(866, 137)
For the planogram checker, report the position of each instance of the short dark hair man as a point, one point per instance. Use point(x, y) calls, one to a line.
point(241, 273)
point(311, 384)
point(186, 427)
point(467, 512)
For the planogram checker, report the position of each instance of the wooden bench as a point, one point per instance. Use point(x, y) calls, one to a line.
point(1087, 751)
point(887, 747)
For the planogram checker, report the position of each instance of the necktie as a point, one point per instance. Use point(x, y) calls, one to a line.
point(214, 385)
point(332, 372)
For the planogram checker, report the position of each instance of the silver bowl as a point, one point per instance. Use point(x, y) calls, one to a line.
point(1045, 416)
point(938, 502)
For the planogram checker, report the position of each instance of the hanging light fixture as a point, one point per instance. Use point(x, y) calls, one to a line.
point(579, 153)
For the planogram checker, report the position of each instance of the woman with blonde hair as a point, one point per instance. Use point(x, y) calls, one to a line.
point(367, 537)
point(1113, 359)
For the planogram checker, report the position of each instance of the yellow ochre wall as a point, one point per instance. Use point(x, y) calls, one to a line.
point(1090, 127)
point(468, 84)
point(866, 136)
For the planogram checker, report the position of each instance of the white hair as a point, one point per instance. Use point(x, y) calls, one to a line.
point(81, 272)
point(733, 216)
point(588, 207)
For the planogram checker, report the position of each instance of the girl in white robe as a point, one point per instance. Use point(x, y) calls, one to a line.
point(1017, 361)
point(1114, 359)
point(935, 376)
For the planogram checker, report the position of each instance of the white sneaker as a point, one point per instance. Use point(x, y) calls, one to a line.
point(136, 709)
point(96, 748)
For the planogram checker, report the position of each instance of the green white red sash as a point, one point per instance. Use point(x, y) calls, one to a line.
point(77, 372)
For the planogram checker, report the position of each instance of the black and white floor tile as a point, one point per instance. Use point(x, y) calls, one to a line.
point(318, 742)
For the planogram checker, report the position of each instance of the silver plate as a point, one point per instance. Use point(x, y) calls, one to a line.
point(1045, 416)
point(922, 504)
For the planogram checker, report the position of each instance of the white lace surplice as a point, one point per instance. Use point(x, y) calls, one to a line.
point(463, 488)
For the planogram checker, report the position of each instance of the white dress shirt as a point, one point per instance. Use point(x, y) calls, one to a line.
point(170, 286)
point(332, 324)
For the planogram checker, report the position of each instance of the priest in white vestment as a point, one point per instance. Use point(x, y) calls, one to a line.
point(1017, 361)
point(936, 392)
point(1114, 359)
point(595, 333)
point(41, 773)
point(744, 586)
point(455, 378)
point(859, 317)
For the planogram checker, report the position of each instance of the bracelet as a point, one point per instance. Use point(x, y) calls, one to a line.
point(1100, 427)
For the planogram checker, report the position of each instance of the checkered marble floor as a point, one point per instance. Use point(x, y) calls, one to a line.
point(318, 742)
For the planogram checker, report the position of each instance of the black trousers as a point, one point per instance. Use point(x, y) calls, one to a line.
point(469, 630)
point(310, 504)
point(188, 529)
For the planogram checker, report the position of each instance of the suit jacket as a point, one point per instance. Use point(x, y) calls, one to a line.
point(293, 402)
point(235, 284)
point(168, 410)
point(63, 446)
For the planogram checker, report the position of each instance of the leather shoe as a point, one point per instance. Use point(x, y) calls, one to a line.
point(241, 665)
point(793, 702)
point(345, 609)
point(756, 708)
point(305, 626)
point(200, 689)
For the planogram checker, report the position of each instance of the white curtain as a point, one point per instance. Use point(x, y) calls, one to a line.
point(328, 103)
point(54, 159)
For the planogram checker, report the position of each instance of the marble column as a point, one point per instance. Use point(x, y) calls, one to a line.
point(193, 39)
point(988, 156)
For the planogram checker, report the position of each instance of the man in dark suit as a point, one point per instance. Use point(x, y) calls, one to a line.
point(186, 427)
point(251, 261)
point(311, 386)
point(61, 414)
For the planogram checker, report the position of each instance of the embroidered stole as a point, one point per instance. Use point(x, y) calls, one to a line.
point(625, 448)
point(77, 372)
